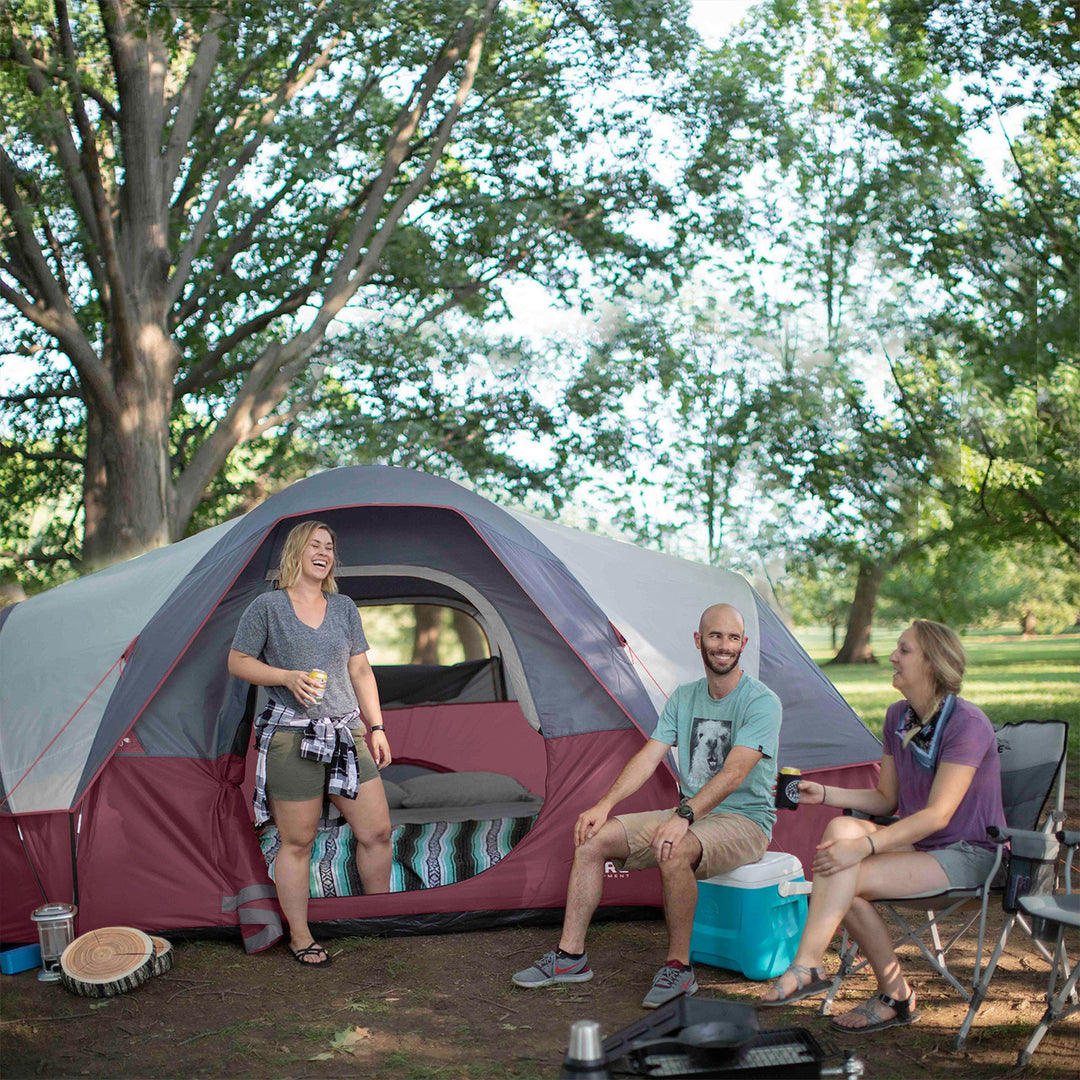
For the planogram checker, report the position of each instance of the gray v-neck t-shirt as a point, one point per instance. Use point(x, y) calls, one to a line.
point(270, 631)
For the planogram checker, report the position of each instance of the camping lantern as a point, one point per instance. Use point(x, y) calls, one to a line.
point(56, 931)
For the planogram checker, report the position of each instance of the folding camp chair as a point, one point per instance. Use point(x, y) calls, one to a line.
point(1050, 916)
point(1032, 768)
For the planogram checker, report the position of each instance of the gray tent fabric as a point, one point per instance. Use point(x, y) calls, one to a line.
point(71, 677)
point(60, 660)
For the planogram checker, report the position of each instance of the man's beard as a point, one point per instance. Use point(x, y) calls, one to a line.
point(718, 669)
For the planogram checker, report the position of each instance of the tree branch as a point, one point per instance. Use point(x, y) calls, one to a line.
point(298, 76)
point(270, 377)
point(346, 281)
point(1067, 538)
point(66, 152)
point(117, 297)
point(244, 237)
point(62, 325)
point(17, 450)
point(191, 97)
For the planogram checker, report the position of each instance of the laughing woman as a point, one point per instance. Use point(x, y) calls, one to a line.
point(940, 774)
point(310, 740)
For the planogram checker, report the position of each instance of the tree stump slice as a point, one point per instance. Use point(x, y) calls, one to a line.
point(107, 962)
point(163, 955)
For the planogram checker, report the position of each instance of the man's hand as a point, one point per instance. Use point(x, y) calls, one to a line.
point(380, 749)
point(668, 836)
point(589, 823)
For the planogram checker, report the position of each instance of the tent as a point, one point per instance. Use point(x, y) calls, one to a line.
point(124, 742)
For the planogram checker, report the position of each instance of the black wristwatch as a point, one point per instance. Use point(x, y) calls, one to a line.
point(684, 811)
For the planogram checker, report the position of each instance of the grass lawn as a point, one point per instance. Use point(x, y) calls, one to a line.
point(1010, 678)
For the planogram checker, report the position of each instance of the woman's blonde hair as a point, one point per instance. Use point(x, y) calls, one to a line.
point(944, 653)
point(292, 555)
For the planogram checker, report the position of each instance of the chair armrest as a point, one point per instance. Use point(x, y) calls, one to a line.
point(1069, 838)
point(1026, 843)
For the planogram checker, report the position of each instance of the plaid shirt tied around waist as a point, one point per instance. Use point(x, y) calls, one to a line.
point(327, 739)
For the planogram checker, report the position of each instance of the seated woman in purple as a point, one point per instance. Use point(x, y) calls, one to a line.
point(940, 774)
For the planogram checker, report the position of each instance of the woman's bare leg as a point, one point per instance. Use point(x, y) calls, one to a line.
point(829, 902)
point(835, 899)
point(899, 874)
point(296, 823)
point(369, 818)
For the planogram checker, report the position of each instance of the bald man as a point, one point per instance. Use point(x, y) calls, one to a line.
point(727, 727)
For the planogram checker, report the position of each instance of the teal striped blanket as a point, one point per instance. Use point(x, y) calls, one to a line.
point(424, 856)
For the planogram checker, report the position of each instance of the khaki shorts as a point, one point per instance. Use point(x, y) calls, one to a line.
point(291, 778)
point(727, 841)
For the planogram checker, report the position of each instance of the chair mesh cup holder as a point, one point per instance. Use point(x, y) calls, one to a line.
point(1032, 868)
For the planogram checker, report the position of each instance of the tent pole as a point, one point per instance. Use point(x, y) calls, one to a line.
point(29, 861)
point(74, 864)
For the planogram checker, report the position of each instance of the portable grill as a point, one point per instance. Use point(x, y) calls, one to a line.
point(692, 1037)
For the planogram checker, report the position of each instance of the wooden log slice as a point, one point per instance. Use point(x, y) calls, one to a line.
point(107, 962)
point(163, 956)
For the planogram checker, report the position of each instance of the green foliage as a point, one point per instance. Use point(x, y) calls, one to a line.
point(966, 583)
point(818, 592)
point(671, 401)
point(792, 146)
point(200, 204)
point(1006, 250)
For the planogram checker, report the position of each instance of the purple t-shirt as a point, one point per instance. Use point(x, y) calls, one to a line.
point(968, 739)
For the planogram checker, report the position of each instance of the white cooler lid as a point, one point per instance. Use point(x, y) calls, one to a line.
point(771, 869)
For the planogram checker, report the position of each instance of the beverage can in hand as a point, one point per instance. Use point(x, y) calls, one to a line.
point(787, 788)
point(319, 678)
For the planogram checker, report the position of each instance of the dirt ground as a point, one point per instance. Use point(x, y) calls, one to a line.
point(444, 1007)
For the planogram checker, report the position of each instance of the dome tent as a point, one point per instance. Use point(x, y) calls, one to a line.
point(123, 740)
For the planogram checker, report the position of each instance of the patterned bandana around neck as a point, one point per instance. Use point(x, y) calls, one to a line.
point(925, 742)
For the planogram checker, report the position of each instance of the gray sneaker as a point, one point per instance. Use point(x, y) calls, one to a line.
point(553, 968)
point(670, 983)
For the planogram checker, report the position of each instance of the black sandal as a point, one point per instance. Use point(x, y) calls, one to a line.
point(904, 1014)
point(314, 949)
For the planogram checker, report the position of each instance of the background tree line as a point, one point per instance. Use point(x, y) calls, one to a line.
point(245, 239)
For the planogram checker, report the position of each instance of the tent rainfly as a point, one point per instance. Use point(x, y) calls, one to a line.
point(125, 745)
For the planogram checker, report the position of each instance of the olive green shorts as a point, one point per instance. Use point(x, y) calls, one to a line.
point(291, 778)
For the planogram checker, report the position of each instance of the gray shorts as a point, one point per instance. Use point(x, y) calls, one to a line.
point(965, 865)
point(291, 778)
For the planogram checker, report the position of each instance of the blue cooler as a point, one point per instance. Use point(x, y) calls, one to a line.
point(743, 923)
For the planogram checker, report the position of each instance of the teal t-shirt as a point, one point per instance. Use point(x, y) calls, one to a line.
point(705, 730)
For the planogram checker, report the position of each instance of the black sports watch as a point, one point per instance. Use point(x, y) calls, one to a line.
point(684, 811)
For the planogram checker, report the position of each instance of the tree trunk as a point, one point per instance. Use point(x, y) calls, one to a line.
point(473, 642)
point(856, 648)
point(426, 636)
point(127, 486)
